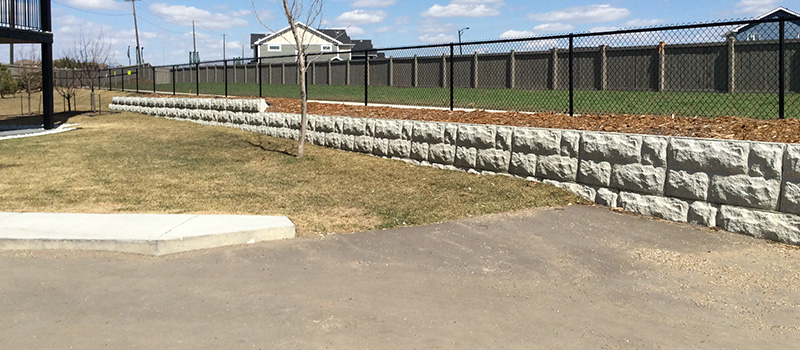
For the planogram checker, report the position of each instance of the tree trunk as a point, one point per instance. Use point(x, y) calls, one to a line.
point(303, 112)
point(69, 104)
point(29, 103)
point(94, 108)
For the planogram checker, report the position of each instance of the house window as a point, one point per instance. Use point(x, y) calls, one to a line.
point(273, 47)
point(753, 36)
point(326, 48)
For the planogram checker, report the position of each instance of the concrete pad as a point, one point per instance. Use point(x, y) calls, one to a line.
point(150, 234)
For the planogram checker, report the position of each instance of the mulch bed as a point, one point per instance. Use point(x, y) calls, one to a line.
point(731, 128)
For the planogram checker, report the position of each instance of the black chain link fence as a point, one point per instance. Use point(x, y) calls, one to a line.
point(739, 68)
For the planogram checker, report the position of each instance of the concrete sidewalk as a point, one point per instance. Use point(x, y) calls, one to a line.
point(151, 234)
point(577, 278)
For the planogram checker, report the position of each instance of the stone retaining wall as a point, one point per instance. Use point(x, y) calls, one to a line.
point(740, 186)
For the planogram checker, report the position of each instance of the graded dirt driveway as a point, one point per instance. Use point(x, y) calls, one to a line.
point(577, 278)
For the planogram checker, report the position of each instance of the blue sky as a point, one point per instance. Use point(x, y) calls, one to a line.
point(165, 29)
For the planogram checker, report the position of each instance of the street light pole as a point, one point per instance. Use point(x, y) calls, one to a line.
point(461, 31)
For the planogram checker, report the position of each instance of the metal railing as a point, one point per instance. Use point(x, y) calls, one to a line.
point(21, 14)
point(709, 69)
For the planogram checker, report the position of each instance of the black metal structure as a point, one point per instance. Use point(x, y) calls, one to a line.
point(29, 22)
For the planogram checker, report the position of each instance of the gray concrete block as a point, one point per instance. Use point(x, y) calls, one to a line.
point(400, 148)
point(745, 191)
point(594, 173)
point(703, 213)
point(638, 178)
point(333, 140)
point(607, 196)
point(586, 192)
point(442, 153)
point(428, 132)
point(450, 133)
point(419, 150)
point(790, 202)
point(478, 136)
point(613, 148)
point(776, 226)
point(791, 163)
point(493, 160)
point(466, 157)
point(766, 160)
point(364, 144)
point(570, 143)
point(557, 168)
point(324, 124)
point(388, 129)
point(503, 138)
point(523, 164)
point(380, 147)
point(537, 141)
point(346, 142)
point(683, 184)
point(408, 128)
point(666, 208)
point(354, 126)
point(723, 157)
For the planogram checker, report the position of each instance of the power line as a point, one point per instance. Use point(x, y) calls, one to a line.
point(92, 12)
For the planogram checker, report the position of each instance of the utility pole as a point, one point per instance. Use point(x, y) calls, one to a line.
point(136, 28)
point(223, 46)
point(194, 39)
point(461, 31)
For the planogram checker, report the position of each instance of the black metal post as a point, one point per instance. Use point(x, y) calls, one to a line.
point(197, 78)
point(154, 80)
point(109, 80)
point(173, 79)
point(260, 78)
point(366, 77)
point(48, 119)
point(781, 72)
point(571, 77)
point(452, 65)
point(123, 79)
point(137, 79)
point(225, 75)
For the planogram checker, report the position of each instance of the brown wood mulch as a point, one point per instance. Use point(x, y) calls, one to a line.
point(731, 128)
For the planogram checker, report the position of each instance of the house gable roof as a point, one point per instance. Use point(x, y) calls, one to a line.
point(777, 13)
point(313, 31)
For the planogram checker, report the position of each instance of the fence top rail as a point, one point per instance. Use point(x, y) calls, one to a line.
point(366, 53)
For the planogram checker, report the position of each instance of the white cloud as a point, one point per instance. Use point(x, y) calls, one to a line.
point(353, 31)
point(183, 15)
point(461, 10)
point(361, 17)
point(384, 29)
point(436, 38)
point(517, 34)
point(553, 27)
point(643, 22)
point(97, 4)
point(602, 29)
point(373, 3)
point(756, 7)
point(583, 14)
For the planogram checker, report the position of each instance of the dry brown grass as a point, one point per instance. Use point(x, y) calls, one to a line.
point(126, 162)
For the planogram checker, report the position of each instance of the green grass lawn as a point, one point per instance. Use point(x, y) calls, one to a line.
point(131, 163)
point(704, 104)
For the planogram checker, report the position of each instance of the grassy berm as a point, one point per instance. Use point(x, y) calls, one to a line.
point(130, 163)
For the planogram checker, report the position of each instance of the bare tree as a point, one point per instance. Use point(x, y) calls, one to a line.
point(87, 57)
point(29, 73)
point(66, 83)
point(301, 16)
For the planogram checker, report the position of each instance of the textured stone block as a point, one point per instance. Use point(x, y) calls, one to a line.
point(537, 141)
point(683, 184)
point(466, 157)
point(703, 213)
point(442, 153)
point(570, 143)
point(791, 163)
point(363, 144)
point(380, 147)
point(428, 132)
point(323, 124)
point(557, 168)
point(347, 142)
point(779, 227)
point(594, 173)
point(666, 208)
point(400, 148)
point(331, 140)
point(746, 191)
point(586, 192)
point(723, 157)
point(478, 136)
point(607, 197)
point(408, 127)
point(638, 178)
point(419, 150)
point(613, 148)
point(503, 138)
point(790, 203)
point(388, 129)
point(354, 126)
point(450, 133)
point(523, 164)
point(766, 160)
point(493, 160)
